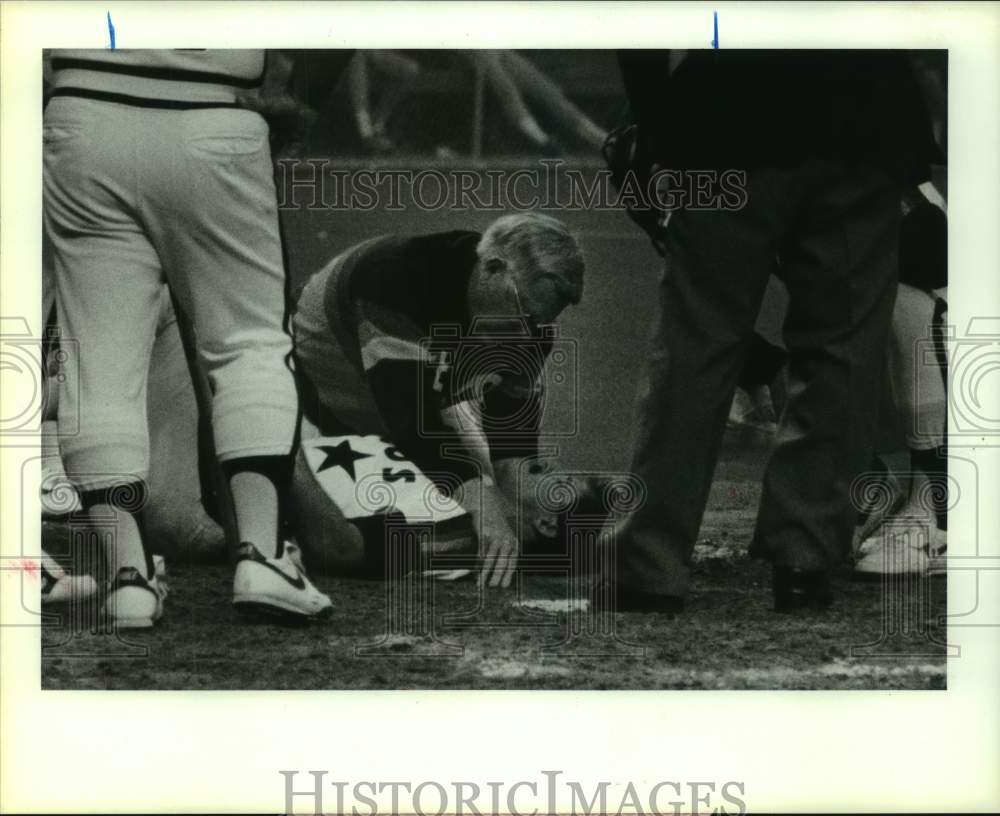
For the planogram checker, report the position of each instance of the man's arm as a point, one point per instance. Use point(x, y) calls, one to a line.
point(426, 423)
point(483, 497)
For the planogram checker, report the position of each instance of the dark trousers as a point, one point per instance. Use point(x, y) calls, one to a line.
point(834, 230)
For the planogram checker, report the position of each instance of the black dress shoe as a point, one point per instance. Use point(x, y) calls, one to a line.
point(628, 599)
point(798, 589)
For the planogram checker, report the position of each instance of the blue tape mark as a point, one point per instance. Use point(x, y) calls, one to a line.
point(111, 32)
point(715, 27)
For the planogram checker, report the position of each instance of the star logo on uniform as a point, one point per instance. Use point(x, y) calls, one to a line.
point(341, 455)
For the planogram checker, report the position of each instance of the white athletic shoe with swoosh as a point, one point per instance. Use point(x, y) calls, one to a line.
point(277, 587)
point(917, 548)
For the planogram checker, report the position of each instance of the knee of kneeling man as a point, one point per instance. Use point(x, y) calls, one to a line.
point(331, 547)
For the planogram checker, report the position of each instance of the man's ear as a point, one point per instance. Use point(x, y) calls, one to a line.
point(494, 265)
point(546, 526)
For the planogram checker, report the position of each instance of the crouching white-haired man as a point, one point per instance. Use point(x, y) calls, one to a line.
point(420, 362)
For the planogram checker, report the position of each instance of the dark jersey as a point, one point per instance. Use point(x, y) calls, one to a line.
point(386, 343)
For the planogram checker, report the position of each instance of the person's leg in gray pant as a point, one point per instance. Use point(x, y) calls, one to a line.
point(833, 229)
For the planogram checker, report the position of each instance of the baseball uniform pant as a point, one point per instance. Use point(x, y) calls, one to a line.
point(134, 196)
point(834, 228)
point(916, 374)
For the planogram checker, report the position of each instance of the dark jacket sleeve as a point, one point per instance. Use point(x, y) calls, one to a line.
point(512, 418)
point(409, 391)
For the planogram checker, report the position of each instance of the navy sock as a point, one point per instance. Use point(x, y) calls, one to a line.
point(128, 497)
point(277, 470)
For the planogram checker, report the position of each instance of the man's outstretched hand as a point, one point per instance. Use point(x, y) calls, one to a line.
point(498, 545)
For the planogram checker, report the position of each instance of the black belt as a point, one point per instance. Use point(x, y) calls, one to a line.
point(154, 72)
point(141, 101)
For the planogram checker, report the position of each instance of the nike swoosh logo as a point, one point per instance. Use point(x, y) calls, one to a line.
point(298, 581)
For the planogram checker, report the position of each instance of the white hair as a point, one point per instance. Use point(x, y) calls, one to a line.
point(536, 244)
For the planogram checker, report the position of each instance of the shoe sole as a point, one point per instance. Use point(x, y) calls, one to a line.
point(133, 623)
point(268, 607)
point(871, 577)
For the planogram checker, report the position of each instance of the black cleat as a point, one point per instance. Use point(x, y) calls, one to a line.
point(628, 599)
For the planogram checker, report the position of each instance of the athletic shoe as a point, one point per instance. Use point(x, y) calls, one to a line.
point(134, 602)
point(58, 586)
point(277, 587)
point(915, 549)
point(618, 597)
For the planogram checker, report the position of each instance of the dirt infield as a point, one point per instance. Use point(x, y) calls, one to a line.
point(875, 637)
